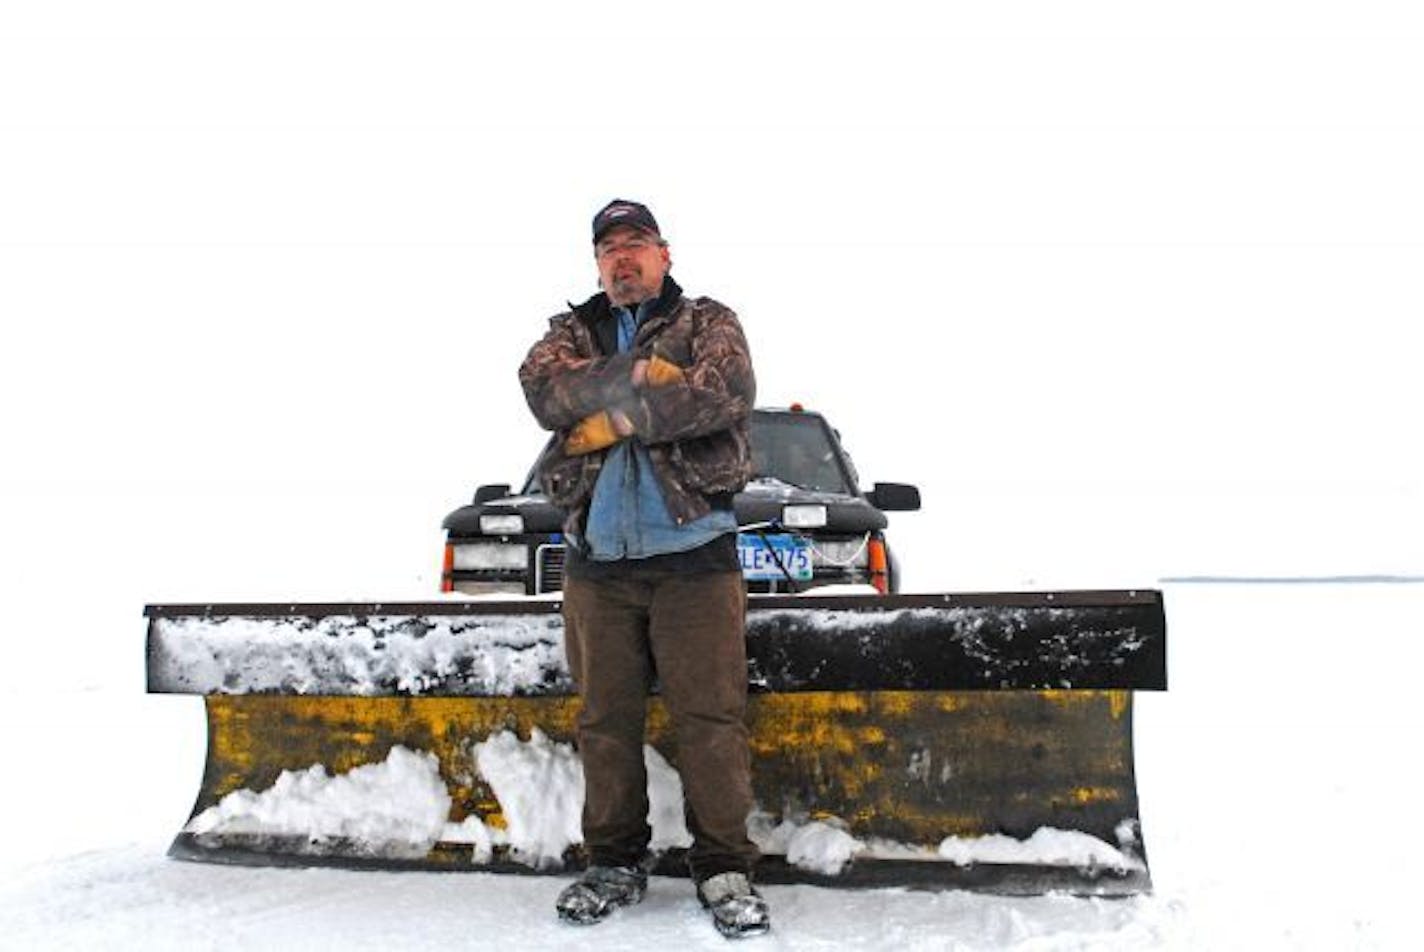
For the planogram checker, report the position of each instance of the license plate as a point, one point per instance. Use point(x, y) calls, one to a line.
point(758, 563)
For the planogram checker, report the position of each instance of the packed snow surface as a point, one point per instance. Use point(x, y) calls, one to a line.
point(132, 897)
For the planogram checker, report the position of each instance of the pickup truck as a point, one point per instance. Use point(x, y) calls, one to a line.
point(803, 521)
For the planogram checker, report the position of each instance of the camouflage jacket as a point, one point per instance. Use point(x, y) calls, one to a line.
point(697, 431)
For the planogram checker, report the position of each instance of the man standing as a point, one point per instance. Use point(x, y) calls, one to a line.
point(650, 395)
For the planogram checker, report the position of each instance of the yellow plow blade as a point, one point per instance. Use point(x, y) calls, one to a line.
point(939, 788)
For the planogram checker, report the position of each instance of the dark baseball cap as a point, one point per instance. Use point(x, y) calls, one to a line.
point(620, 212)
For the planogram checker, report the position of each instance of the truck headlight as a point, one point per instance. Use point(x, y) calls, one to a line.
point(490, 555)
point(803, 517)
point(850, 554)
point(489, 588)
point(497, 524)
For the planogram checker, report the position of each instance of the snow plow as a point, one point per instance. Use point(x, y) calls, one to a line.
point(978, 741)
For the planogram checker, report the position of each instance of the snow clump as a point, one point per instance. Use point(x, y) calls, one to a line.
point(820, 846)
point(539, 784)
point(1047, 846)
point(401, 803)
point(666, 812)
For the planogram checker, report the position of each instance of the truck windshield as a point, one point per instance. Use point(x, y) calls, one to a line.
point(796, 449)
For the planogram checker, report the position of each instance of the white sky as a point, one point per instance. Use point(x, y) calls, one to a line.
point(1126, 288)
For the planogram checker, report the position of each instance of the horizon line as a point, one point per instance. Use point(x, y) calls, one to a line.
point(1374, 579)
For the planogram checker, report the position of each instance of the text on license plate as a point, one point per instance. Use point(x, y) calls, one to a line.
point(758, 562)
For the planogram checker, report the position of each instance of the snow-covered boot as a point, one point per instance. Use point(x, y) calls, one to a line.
point(737, 909)
point(599, 891)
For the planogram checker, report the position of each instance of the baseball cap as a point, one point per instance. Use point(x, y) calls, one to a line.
point(621, 212)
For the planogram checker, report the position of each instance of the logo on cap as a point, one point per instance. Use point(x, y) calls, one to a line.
point(616, 211)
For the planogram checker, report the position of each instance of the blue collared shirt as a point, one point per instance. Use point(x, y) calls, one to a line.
point(628, 517)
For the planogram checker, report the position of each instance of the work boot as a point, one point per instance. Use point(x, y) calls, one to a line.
point(737, 909)
point(599, 891)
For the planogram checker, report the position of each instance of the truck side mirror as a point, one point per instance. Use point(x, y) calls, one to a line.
point(894, 497)
point(491, 491)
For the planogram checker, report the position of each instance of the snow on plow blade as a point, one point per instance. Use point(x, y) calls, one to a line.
point(979, 741)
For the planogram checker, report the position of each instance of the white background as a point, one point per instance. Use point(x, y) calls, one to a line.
point(1128, 289)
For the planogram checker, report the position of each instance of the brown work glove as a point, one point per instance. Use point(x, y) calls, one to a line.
point(656, 372)
point(606, 427)
point(596, 431)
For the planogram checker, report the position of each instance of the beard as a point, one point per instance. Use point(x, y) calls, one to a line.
point(629, 288)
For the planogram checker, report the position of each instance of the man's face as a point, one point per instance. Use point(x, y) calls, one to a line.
point(631, 264)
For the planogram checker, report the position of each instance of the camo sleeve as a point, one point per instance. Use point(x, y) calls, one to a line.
point(563, 382)
point(717, 390)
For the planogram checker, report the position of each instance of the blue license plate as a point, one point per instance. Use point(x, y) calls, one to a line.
point(758, 562)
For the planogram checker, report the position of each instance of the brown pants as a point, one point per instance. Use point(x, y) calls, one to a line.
point(689, 631)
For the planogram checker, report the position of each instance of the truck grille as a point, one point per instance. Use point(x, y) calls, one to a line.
point(549, 568)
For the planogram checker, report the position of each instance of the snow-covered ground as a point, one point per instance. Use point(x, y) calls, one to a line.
point(1276, 776)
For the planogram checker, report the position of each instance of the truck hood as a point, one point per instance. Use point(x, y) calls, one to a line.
point(760, 501)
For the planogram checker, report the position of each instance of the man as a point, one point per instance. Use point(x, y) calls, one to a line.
point(650, 395)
